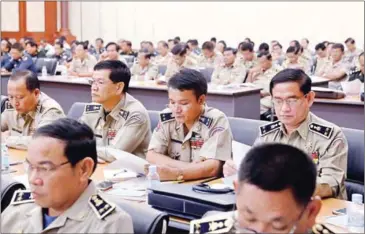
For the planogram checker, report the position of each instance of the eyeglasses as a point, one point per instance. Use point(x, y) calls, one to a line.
point(174, 106)
point(238, 229)
point(291, 102)
point(98, 82)
point(43, 170)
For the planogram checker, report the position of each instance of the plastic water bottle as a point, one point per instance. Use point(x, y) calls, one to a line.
point(5, 164)
point(355, 214)
point(153, 178)
point(44, 71)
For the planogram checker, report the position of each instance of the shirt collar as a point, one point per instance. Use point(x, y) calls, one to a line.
point(302, 129)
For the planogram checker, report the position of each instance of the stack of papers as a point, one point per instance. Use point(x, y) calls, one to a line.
point(134, 189)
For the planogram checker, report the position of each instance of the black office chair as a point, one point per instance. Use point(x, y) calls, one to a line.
point(50, 63)
point(154, 118)
point(8, 188)
point(3, 101)
point(207, 73)
point(128, 58)
point(146, 220)
point(76, 110)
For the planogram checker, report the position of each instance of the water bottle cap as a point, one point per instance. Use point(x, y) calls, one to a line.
point(356, 197)
point(152, 168)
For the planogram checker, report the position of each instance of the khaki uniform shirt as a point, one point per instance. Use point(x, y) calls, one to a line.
point(341, 65)
point(263, 81)
point(163, 60)
point(148, 73)
point(173, 68)
point(353, 57)
point(127, 127)
point(209, 138)
point(21, 127)
point(227, 75)
point(87, 65)
point(323, 141)
point(89, 214)
point(322, 63)
point(300, 65)
point(247, 64)
point(214, 61)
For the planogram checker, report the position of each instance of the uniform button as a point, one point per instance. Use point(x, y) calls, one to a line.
point(183, 147)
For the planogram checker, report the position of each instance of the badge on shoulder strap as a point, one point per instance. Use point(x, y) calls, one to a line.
point(321, 130)
point(266, 129)
point(124, 114)
point(101, 207)
point(166, 117)
point(8, 106)
point(22, 196)
point(92, 108)
point(212, 224)
point(206, 121)
point(320, 228)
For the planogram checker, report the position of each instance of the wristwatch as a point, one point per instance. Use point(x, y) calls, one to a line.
point(180, 175)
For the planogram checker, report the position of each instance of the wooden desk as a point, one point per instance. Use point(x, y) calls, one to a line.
point(319, 81)
point(346, 112)
point(242, 102)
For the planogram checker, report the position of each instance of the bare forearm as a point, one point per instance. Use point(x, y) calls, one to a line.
point(206, 169)
point(323, 190)
point(335, 75)
point(160, 159)
point(85, 74)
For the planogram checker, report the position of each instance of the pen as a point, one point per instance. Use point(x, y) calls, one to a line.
point(124, 170)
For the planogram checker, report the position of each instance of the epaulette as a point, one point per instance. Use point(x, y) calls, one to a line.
point(100, 206)
point(91, 108)
point(21, 196)
point(212, 224)
point(166, 117)
point(321, 130)
point(8, 106)
point(266, 129)
point(321, 229)
point(124, 114)
point(206, 121)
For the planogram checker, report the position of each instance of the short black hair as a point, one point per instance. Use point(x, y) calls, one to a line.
point(338, 46)
point(100, 39)
point(32, 44)
point(128, 43)
point(8, 44)
point(264, 47)
point(177, 38)
point(234, 51)
point(112, 43)
point(30, 78)
point(164, 44)
point(189, 79)
point(59, 43)
point(278, 44)
point(297, 44)
point(78, 138)
point(292, 75)
point(179, 49)
point(194, 42)
point(208, 45)
point(246, 46)
point(351, 40)
point(84, 44)
point(213, 39)
point(320, 46)
point(224, 44)
point(292, 49)
point(146, 53)
point(265, 54)
point(119, 72)
point(274, 167)
point(17, 46)
point(149, 42)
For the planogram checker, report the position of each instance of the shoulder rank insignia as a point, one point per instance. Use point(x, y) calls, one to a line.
point(266, 129)
point(124, 114)
point(8, 106)
point(100, 206)
point(206, 121)
point(166, 117)
point(92, 108)
point(22, 196)
point(211, 225)
point(321, 130)
point(320, 228)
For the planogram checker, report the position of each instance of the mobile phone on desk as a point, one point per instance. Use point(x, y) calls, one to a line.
point(339, 211)
point(105, 185)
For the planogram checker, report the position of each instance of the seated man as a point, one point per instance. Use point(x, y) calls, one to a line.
point(246, 56)
point(229, 73)
point(352, 52)
point(274, 194)
point(179, 60)
point(112, 53)
point(118, 120)
point(32, 50)
point(126, 48)
point(27, 109)
point(278, 56)
point(164, 56)
point(192, 140)
point(62, 197)
point(5, 52)
point(63, 56)
point(322, 60)
point(19, 60)
point(83, 63)
point(209, 57)
point(359, 74)
point(323, 141)
point(144, 69)
point(292, 60)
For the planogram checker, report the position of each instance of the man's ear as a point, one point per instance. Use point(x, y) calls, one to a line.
point(310, 97)
point(86, 168)
point(37, 92)
point(313, 208)
point(201, 99)
point(120, 88)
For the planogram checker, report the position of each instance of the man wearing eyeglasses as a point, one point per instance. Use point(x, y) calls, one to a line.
point(297, 126)
point(27, 109)
point(62, 197)
point(191, 140)
point(274, 194)
point(118, 120)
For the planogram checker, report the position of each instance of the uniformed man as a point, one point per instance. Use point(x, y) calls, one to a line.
point(19, 60)
point(144, 69)
point(194, 46)
point(126, 48)
point(359, 74)
point(46, 47)
point(297, 126)
point(118, 120)
point(292, 60)
point(179, 60)
point(274, 194)
point(229, 73)
point(307, 53)
point(246, 57)
point(221, 46)
point(210, 57)
point(112, 53)
point(63, 56)
point(62, 197)
point(191, 140)
point(304, 58)
point(278, 56)
point(27, 109)
point(32, 50)
point(164, 56)
point(83, 63)
point(352, 52)
point(322, 60)
point(5, 52)
point(261, 76)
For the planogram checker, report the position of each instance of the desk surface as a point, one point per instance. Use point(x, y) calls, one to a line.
point(348, 100)
point(328, 205)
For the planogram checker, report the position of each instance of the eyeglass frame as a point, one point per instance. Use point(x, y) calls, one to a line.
point(29, 167)
point(295, 103)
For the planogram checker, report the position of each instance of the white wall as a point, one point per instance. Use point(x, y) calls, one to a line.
point(231, 21)
point(10, 16)
point(35, 16)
